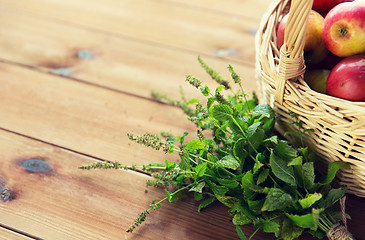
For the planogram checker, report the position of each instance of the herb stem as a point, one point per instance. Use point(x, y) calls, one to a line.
point(254, 233)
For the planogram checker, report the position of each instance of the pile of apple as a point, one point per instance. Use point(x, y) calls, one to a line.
point(334, 49)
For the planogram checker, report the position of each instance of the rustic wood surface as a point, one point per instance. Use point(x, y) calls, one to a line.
point(76, 76)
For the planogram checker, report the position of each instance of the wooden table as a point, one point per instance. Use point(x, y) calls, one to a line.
point(75, 77)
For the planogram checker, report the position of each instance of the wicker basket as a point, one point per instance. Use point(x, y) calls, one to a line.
point(339, 125)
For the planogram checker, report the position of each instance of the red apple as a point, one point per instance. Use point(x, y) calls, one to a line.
point(323, 6)
point(347, 79)
point(316, 79)
point(344, 29)
point(313, 37)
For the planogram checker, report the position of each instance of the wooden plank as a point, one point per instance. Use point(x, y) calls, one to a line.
point(6, 234)
point(64, 202)
point(83, 117)
point(162, 22)
point(246, 9)
point(106, 60)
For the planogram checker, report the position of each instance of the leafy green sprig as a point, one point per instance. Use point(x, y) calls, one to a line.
point(238, 161)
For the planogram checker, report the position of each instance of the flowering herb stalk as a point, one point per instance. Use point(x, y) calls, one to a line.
point(236, 160)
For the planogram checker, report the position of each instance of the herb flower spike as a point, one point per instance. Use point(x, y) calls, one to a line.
point(150, 140)
point(193, 81)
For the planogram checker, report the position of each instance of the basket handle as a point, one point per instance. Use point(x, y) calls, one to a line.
point(291, 63)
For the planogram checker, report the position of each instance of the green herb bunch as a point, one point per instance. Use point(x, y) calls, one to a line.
point(237, 160)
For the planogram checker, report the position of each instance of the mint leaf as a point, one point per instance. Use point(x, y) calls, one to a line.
point(285, 151)
point(262, 176)
point(229, 183)
point(303, 221)
point(277, 199)
point(256, 140)
point(309, 200)
point(171, 196)
point(240, 233)
point(200, 169)
point(194, 145)
point(240, 219)
point(296, 161)
point(333, 167)
point(263, 110)
point(198, 187)
point(227, 200)
point(184, 162)
point(289, 230)
point(247, 180)
point(228, 161)
point(222, 112)
point(267, 226)
point(332, 197)
point(205, 203)
point(281, 170)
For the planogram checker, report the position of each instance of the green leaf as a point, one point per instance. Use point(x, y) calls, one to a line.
point(247, 180)
point(171, 196)
point(228, 161)
point(252, 129)
point(185, 162)
point(205, 90)
point(194, 145)
point(210, 102)
point(332, 197)
point(194, 100)
point(212, 157)
point(240, 233)
point(198, 196)
point(256, 140)
point(256, 205)
point(309, 200)
point(263, 110)
point(268, 226)
point(240, 219)
point(285, 151)
point(333, 167)
point(281, 170)
point(303, 221)
point(277, 199)
point(272, 139)
point(262, 176)
point(217, 190)
point(219, 88)
point(222, 112)
point(239, 149)
point(309, 175)
point(289, 230)
point(169, 165)
point(200, 169)
point(229, 183)
point(205, 203)
point(198, 187)
point(227, 200)
point(296, 161)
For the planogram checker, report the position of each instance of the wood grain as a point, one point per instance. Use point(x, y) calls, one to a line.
point(68, 203)
point(106, 60)
point(82, 117)
point(244, 8)
point(159, 22)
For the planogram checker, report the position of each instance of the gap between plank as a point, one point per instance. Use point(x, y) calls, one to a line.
point(20, 232)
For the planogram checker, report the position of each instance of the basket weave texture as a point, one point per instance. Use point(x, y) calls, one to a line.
point(339, 125)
